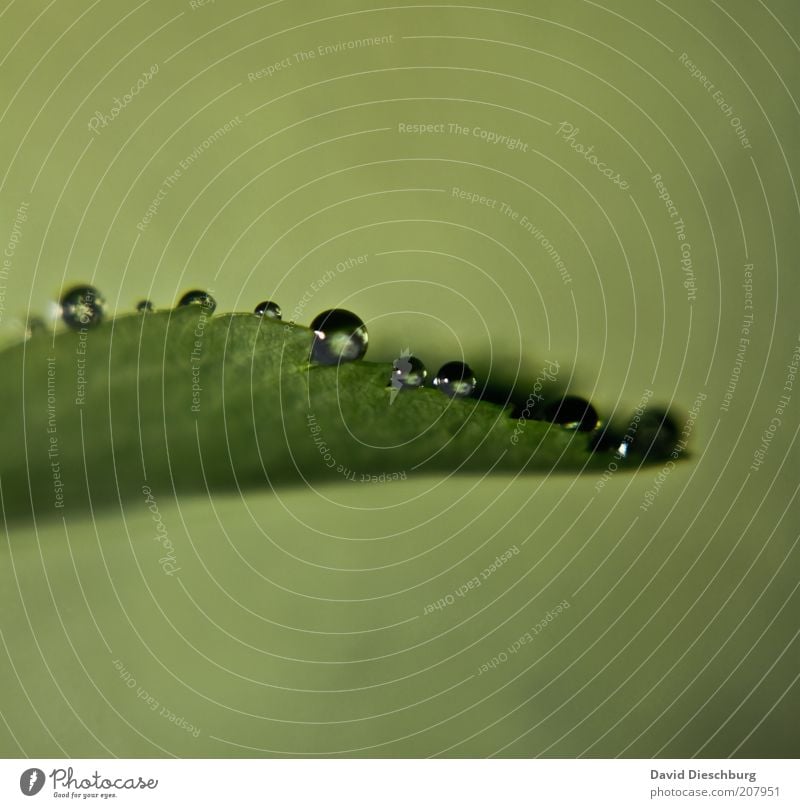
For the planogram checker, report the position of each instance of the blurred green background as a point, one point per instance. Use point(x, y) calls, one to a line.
point(300, 622)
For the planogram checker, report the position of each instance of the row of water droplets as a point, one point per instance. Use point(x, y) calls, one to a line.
point(341, 336)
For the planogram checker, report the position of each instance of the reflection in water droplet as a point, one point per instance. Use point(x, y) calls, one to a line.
point(456, 380)
point(144, 305)
point(197, 297)
point(572, 412)
point(408, 373)
point(268, 309)
point(82, 307)
point(339, 336)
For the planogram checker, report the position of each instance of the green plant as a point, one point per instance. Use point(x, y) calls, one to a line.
point(183, 400)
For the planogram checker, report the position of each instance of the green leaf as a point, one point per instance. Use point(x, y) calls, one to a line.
point(180, 399)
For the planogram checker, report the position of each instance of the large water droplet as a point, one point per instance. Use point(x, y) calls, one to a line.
point(339, 336)
point(197, 297)
point(408, 372)
point(455, 379)
point(144, 305)
point(572, 412)
point(609, 439)
point(652, 435)
point(82, 307)
point(268, 309)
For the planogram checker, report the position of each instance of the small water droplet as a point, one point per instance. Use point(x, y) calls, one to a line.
point(197, 297)
point(572, 412)
point(144, 305)
point(339, 336)
point(408, 373)
point(268, 309)
point(34, 325)
point(82, 307)
point(456, 380)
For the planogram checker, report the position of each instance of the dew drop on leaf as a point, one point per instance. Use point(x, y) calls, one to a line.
point(572, 412)
point(82, 307)
point(339, 336)
point(656, 435)
point(197, 297)
point(34, 325)
point(456, 380)
point(268, 309)
point(408, 372)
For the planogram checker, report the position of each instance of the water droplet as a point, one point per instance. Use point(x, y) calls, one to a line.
point(572, 412)
point(609, 439)
point(144, 305)
point(269, 309)
point(34, 325)
point(82, 307)
point(339, 336)
point(656, 435)
point(456, 380)
point(197, 297)
point(529, 410)
point(653, 435)
point(408, 372)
